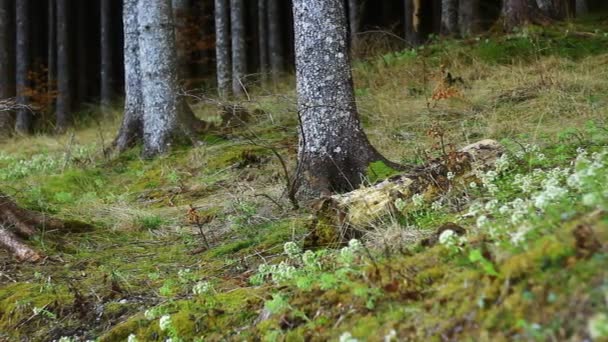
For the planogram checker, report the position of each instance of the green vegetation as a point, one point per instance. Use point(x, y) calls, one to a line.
point(530, 265)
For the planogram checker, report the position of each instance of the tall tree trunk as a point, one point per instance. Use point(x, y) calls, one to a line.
point(166, 117)
point(131, 130)
point(582, 8)
point(554, 9)
point(275, 40)
point(51, 54)
point(181, 11)
point(413, 18)
point(108, 54)
point(468, 17)
point(7, 61)
point(239, 55)
point(354, 22)
point(334, 152)
point(83, 37)
point(519, 12)
point(222, 47)
point(263, 38)
point(449, 17)
point(64, 68)
point(25, 119)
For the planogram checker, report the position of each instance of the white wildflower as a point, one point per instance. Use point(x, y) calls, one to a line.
point(292, 249)
point(447, 237)
point(347, 337)
point(450, 175)
point(132, 338)
point(165, 322)
point(473, 185)
point(436, 205)
point(202, 288)
point(390, 336)
point(482, 221)
point(418, 200)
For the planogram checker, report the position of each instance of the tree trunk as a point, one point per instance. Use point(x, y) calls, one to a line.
point(83, 37)
point(519, 12)
point(181, 11)
point(449, 17)
point(582, 8)
point(51, 55)
point(275, 40)
point(222, 47)
point(413, 27)
point(468, 17)
point(554, 9)
point(354, 22)
point(239, 55)
point(108, 54)
point(131, 130)
point(64, 66)
point(7, 61)
point(166, 116)
point(25, 120)
point(263, 39)
point(334, 152)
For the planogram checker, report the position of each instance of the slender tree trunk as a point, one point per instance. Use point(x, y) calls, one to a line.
point(468, 17)
point(82, 63)
point(582, 8)
point(7, 61)
point(275, 40)
point(519, 12)
point(554, 9)
point(166, 117)
point(108, 54)
point(51, 54)
point(222, 47)
point(334, 152)
point(25, 120)
point(239, 55)
point(263, 38)
point(449, 17)
point(354, 22)
point(413, 27)
point(181, 11)
point(131, 130)
point(64, 65)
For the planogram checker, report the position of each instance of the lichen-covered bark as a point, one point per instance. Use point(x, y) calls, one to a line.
point(519, 12)
point(108, 55)
point(25, 120)
point(468, 17)
point(7, 58)
point(222, 47)
point(263, 38)
point(131, 130)
point(63, 110)
point(275, 40)
point(239, 55)
point(334, 152)
point(449, 17)
point(554, 9)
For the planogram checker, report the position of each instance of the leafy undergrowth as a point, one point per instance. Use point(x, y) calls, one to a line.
point(519, 255)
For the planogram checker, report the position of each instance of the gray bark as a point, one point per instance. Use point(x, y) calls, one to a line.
point(555, 9)
point(24, 122)
point(239, 55)
point(449, 17)
point(468, 17)
point(63, 111)
point(131, 130)
point(263, 38)
point(108, 54)
point(7, 61)
point(334, 152)
point(519, 12)
point(582, 7)
point(166, 117)
point(275, 40)
point(222, 47)
point(413, 30)
point(181, 10)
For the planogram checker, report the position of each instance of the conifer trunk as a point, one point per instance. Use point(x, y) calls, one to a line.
point(239, 55)
point(25, 120)
point(449, 17)
point(468, 17)
point(334, 152)
point(275, 40)
point(222, 47)
point(108, 53)
point(263, 38)
point(7, 61)
point(63, 112)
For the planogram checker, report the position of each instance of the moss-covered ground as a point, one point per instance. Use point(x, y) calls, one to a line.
point(147, 272)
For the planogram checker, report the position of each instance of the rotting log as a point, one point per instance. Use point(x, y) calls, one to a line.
point(17, 223)
point(341, 216)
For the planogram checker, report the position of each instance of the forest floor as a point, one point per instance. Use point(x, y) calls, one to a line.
point(532, 263)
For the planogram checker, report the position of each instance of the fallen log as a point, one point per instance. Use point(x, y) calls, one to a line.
point(340, 217)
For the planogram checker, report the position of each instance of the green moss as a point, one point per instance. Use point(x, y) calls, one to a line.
point(379, 171)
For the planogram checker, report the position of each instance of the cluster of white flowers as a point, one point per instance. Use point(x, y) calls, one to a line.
point(279, 273)
point(347, 337)
point(132, 338)
point(418, 200)
point(292, 250)
point(202, 288)
point(349, 253)
point(164, 322)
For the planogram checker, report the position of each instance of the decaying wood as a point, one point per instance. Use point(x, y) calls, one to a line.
point(17, 223)
point(360, 208)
